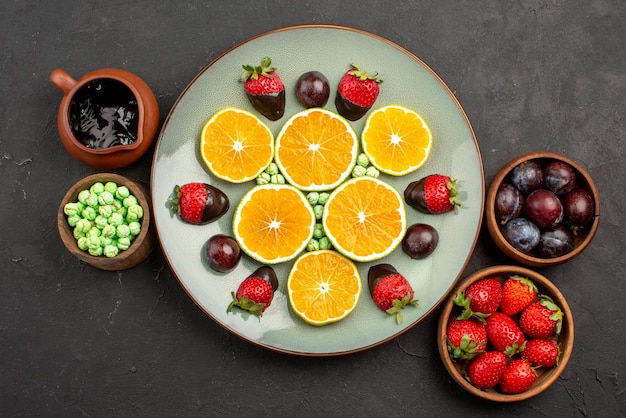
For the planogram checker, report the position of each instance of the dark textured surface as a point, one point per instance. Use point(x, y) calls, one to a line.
point(75, 341)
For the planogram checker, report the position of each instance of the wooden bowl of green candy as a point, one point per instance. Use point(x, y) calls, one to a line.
point(105, 221)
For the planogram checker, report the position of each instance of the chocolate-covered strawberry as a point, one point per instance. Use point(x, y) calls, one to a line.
point(199, 203)
point(434, 194)
point(390, 290)
point(264, 89)
point(255, 293)
point(356, 93)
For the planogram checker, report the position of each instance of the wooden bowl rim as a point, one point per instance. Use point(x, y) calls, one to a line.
point(125, 259)
point(492, 223)
point(548, 377)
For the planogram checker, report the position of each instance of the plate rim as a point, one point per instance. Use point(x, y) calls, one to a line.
point(450, 94)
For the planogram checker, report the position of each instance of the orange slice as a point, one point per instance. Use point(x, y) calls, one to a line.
point(316, 149)
point(273, 223)
point(236, 145)
point(323, 287)
point(396, 140)
point(365, 218)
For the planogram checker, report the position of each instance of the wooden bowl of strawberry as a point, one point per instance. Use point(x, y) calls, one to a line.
point(505, 334)
point(542, 209)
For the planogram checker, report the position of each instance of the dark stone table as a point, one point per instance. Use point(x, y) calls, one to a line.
point(76, 341)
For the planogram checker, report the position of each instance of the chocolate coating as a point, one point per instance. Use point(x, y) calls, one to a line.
point(217, 204)
point(377, 273)
point(268, 274)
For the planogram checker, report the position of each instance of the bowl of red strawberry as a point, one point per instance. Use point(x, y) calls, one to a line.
point(505, 334)
point(542, 209)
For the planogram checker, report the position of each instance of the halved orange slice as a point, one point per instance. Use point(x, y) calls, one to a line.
point(365, 218)
point(396, 140)
point(323, 287)
point(316, 149)
point(273, 223)
point(236, 145)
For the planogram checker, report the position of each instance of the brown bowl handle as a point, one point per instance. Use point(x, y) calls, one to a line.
point(62, 80)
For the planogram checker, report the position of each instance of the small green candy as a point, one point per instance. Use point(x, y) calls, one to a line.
point(110, 187)
point(111, 251)
point(97, 188)
point(135, 228)
point(122, 193)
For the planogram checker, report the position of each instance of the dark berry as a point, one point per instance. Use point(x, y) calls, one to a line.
point(522, 234)
point(556, 242)
point(527, 176)
point(420, 241)
point(509, 203)
point(222, 253)
point(312, 89)
point(578, 207)
point(544, 208)
point(559, 177)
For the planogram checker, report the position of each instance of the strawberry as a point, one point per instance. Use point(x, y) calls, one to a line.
point(541, 319)
point(465, 338)
point(199, 203)
point(517, 377)
point(517, 293)
point(264, 89)
point(390, 290)
point(541, 352)
point(481, 298)
point(503, 333)
point(356, 93)
point(434, 194)
point(485, 370)
point(256, 292)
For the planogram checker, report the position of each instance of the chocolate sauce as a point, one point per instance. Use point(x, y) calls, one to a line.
point(216, 205)
point(379, 272)
point(268, 274)
point(104, 113)
point(349, 109)
point(272, 106)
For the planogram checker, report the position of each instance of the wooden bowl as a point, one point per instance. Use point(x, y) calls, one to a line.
point(545, 376)
point(141, 246)
point(581, 239)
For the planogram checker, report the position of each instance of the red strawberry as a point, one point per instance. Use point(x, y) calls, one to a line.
point(433, 194)
point(541, 319)
point(356, 93)
point(256, 292)
point(543, 353)
point(518, 377)
point(265, 89)
point(199, 203)
point(517, 293)
point(390, 290)
point(465, 338)
point(481, 298)
point(503, 333)
point(485, 370)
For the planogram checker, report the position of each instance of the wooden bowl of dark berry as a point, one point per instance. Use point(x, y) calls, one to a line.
point(105, 220)
point(542, 209)
point(505, 334)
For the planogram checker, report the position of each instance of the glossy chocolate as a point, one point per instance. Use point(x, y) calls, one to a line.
point(349, 109)
point(268, 274)
point(272, 106)
point(414, 195)
point(217, 204)
point(377, 273)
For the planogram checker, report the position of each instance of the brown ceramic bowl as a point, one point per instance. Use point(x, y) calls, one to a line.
point(545, 376)
point(582, 238)
point(116, 156)
point(141, 246)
